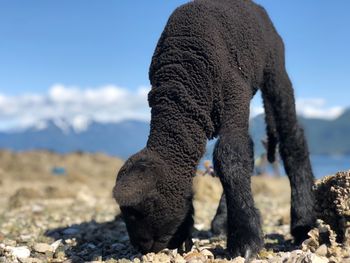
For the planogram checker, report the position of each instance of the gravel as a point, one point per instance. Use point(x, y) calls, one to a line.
point(73, 218)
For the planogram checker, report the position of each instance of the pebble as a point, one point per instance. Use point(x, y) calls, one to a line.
point(316, 259)
point(194, 256)
point(19, 252)
point(60, 255)
point(25, 238)
point(148, 257)
point(69, 241)
point(43, 247)
point(238, 260)
point(31, 260)
point(207, 253)
point(56, 244)
point(91, 233)
point(37, 208)
point(179, 259)
point(322, 250)
point(9, 242)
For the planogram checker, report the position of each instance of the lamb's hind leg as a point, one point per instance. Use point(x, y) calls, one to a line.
point(278, 92)
point(233, 163)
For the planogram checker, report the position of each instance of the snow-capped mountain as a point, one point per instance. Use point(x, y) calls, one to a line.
point(125, 138)
point(119, 139)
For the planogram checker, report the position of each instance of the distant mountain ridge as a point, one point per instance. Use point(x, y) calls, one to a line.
point(328, 136)
point(323, 136)
point(125, 138)
point(117, 139)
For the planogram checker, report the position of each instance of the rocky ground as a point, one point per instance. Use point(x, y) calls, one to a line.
point(59, 208)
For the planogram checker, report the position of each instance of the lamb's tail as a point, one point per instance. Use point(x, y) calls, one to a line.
point(271, 130)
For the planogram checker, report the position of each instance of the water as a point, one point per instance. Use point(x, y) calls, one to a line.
point(322, 165)
point(329, 164)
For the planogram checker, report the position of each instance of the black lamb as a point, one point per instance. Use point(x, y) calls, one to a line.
point(210, 60)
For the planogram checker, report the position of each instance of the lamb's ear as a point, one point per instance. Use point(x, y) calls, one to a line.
point(134, 185)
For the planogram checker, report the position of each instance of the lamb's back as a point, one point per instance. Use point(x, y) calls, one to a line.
point(231, 34)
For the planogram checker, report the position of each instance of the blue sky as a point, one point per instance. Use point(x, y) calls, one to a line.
point(91, 44)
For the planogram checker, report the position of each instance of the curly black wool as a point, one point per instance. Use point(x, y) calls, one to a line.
point(209, 62)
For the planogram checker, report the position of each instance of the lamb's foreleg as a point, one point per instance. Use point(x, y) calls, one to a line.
point(233, 163)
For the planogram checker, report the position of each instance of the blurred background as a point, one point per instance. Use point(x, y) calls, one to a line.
point(74, 76)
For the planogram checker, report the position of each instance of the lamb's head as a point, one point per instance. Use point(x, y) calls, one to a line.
point(157, 212)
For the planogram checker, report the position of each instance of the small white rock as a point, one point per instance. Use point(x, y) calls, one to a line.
point(174, 252)
point(68, 241)
point(19, 252)
point(37, 208)
point(56, 244)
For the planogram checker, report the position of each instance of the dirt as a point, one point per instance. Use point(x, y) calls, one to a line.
point(59, 208)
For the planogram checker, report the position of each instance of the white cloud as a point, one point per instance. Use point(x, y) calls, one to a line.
point(317, 108)
point(74, 106)
point(61, 94)
point(77, 107)
point(308, 108)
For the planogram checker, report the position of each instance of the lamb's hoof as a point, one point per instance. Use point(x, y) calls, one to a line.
point(247, 248)
point(248, 252)
point(248, 256)
point(186, 246)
